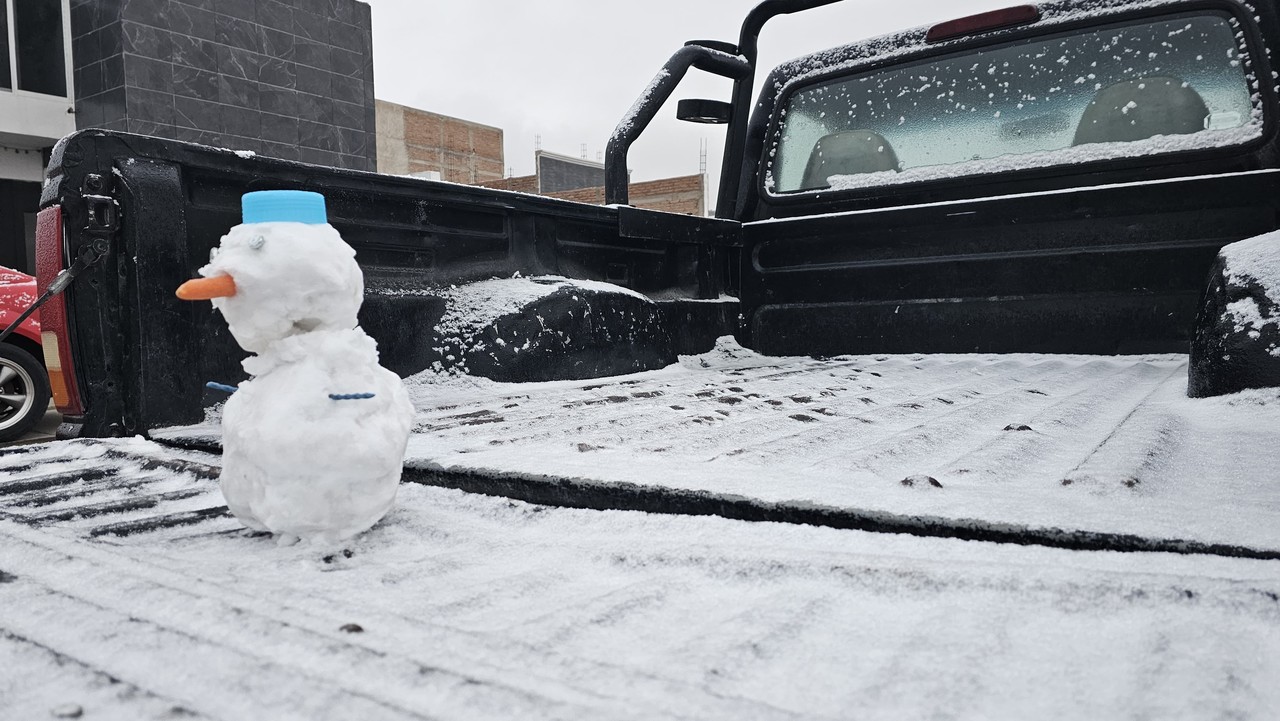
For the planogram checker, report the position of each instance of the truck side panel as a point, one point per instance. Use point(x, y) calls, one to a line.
point(143, 356)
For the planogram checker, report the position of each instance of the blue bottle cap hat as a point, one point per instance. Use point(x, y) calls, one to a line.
point(283, 206)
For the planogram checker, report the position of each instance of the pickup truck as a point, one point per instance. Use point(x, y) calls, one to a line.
point(964, 406)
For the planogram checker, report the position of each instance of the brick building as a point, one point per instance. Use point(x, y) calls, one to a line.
point(416, 142)
point(685, 194)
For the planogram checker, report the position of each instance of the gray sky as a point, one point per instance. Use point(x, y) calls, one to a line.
point(568, 69)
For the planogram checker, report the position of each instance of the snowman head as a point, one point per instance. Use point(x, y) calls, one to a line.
point(282, 272)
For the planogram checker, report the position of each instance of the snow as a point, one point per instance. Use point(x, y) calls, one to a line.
point(305, 274)
point(1029, 100)
point(1114, 445)
point(458, 605)
point(1055, 445)
point(1093, 152)
point(477, 607)
point(477, 305)
point(297, 461)
point(629, 118)
point(1255, 261)
point(907, 42)
point(1260, 174)
point(303, 457)
point(18, 293)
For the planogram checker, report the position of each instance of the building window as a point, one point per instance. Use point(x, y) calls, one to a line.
point(6, 78)
point(41, 59)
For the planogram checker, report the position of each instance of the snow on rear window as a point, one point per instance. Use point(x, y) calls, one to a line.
point(1135, 89)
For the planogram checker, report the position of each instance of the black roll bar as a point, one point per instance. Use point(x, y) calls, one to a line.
point(697, 55)
point(714, 58)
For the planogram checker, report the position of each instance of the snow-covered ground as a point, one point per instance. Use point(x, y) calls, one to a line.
point(126, 591)
point(1082, 443)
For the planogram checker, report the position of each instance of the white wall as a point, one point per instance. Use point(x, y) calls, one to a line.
point(32, 120)
point(21, 164)
point(37, 120)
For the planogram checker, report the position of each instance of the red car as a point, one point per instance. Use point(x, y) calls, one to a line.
point(24, 383)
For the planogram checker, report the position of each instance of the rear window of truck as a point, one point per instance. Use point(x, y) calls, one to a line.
point(1138, 89)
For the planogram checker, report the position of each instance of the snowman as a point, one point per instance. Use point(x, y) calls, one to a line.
point(314, 442)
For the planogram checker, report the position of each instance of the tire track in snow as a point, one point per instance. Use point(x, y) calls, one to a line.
point(614, 412)
point(711, 422)
point(42, 674)
point(799, 433)
point(909, 427)
point(409, 669)
point(1121, 429)
point(1057, 429)
point(125, 644)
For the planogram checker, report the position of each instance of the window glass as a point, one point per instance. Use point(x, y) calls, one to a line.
point(38, 34)
point(1123, 91)
point(6, 79)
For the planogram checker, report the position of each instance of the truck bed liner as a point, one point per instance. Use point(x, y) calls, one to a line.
point(126, 580)
point(1076, 451)
point(460, 605)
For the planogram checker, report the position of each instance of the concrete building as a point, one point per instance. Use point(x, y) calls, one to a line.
point(558, 173)
point(416, 142)
point(289, 79)
point(286, 78)
point(36, 108)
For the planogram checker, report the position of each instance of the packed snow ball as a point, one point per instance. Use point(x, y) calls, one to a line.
point(298, 463)
point(290, 277)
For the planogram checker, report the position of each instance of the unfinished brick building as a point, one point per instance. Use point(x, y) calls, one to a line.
point(414, 142)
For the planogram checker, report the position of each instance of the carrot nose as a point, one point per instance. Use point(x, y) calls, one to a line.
point(219, 286)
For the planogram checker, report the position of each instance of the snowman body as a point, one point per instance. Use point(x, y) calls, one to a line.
point(301, 457)
point(314, 467)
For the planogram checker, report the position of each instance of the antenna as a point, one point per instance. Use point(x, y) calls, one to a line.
point(584, 151)
point(702, 170)
point(537, 142)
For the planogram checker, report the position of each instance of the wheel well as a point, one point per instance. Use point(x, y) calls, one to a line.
point(27, 345)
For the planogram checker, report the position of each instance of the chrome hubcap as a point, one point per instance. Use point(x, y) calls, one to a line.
point(15, 393)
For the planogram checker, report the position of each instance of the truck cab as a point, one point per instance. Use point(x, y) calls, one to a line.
point(1056, 177)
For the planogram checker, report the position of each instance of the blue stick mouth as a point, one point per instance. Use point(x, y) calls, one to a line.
point(283, 206)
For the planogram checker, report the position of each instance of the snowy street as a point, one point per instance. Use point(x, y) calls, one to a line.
point(129, 592)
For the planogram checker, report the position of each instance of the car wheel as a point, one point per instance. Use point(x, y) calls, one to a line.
point(24, 392)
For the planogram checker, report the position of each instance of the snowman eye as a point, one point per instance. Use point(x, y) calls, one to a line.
point(257, 242)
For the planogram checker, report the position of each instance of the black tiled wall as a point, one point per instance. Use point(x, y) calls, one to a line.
point(285, 78)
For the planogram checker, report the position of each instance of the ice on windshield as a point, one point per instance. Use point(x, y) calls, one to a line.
point(1123, 91)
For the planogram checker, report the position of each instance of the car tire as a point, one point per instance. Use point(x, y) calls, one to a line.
point(24, 392)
